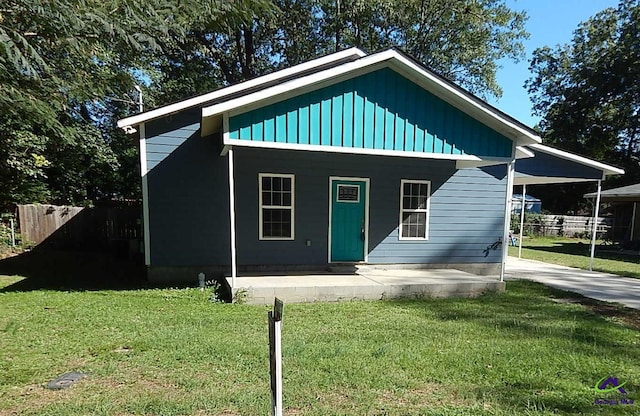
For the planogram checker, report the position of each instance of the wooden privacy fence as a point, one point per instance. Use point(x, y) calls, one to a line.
point(103, 228)
point(567, 225)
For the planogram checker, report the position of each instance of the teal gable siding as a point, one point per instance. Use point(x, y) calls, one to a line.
point(380, 110)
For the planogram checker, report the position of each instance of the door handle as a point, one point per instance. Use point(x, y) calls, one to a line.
point(362, 232)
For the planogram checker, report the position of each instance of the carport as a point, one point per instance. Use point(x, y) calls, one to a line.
point(547, 165)
point(625, 194)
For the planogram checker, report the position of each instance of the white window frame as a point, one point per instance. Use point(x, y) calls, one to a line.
point(426, 210)
point(261, 206)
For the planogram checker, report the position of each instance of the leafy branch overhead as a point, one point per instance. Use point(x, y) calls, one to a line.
point(68, 67)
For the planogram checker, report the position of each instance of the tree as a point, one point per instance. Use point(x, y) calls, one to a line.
point(461, 40)
point(66, 68)
point(588, 93)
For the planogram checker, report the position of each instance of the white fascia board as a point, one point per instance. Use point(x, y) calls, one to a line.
point(606, 169)
point(195, 101)
point(294, 87)
point(523, 153)
point(390, 58)
point(472, 160)
point(546, 180)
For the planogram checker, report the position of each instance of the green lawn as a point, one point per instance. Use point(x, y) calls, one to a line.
point(575, 252)
point(174, 352)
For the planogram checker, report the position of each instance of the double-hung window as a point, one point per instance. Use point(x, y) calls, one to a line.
point(414, 209)
point(276, 206)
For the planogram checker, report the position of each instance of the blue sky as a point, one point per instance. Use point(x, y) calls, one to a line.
point(551, 22)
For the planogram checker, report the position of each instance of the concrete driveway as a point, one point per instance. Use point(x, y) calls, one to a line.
point(596, 285)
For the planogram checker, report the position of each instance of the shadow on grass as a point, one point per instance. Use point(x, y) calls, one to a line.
point(43, 269)
point(582, 249)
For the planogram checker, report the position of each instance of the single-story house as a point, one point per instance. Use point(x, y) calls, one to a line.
point(348, 158)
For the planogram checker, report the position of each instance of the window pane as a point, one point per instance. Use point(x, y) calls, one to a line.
point(266, 198)
point(406, 202)
point(266, 183)
point(277, 184)
point(277, 199)
point(276, 222)
point(286, 184)
point(286, 199)
point(407, 189)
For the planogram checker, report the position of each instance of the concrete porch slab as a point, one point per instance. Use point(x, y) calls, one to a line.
point(367, 284)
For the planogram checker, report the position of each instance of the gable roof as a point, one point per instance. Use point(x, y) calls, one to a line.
point(318, 64)
point(390, 58)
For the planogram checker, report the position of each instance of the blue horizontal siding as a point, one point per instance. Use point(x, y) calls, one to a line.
point(380, 110)
point(461, 227)
point(161, 145)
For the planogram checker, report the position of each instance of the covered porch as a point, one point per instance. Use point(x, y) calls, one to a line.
point(362, 283)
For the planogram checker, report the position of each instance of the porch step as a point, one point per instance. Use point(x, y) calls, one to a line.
point(349, 268)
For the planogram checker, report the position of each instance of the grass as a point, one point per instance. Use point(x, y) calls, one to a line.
point(574, 252)
point(530, 351)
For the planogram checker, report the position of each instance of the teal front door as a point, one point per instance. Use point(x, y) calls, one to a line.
point(348, 220)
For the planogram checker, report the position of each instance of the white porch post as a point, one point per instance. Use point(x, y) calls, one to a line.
point(524, 195)
point(144, 170)
point(507, 217)
point(595, 225)
point(232, 218)
point(633, 222)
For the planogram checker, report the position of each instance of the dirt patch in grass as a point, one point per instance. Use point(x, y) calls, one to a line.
point(627, 316)
point(429, 395)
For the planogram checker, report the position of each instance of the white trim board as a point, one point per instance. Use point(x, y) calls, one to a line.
point(220, 93)
point(144, 170)
point(355, 150)
point(367, 187)
point(394, 60)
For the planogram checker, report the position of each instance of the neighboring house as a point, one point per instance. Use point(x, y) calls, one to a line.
point(346, 158)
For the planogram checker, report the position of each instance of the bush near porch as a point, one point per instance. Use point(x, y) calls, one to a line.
point(530, 351)
point(575, 252)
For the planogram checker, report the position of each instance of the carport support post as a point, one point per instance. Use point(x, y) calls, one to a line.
point(524, 196)
point(232, 219)
point(595, 225)
point(507, 216)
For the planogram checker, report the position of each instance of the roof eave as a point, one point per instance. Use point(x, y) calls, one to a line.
point(220, 93)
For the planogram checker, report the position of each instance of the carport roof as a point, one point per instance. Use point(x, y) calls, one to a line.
point(629, 193)
point(550, 165)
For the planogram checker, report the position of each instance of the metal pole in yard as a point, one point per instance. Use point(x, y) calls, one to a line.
point(275, 356)
point(595, 226)
point(13, 233)
point(524, 194)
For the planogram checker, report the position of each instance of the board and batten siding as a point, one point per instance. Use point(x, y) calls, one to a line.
point(188, 194)
point(466, 217)
point(380, 110)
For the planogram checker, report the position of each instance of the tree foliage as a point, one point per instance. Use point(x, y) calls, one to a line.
point(462, 40)
point(68, 67)
point(588, 93)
